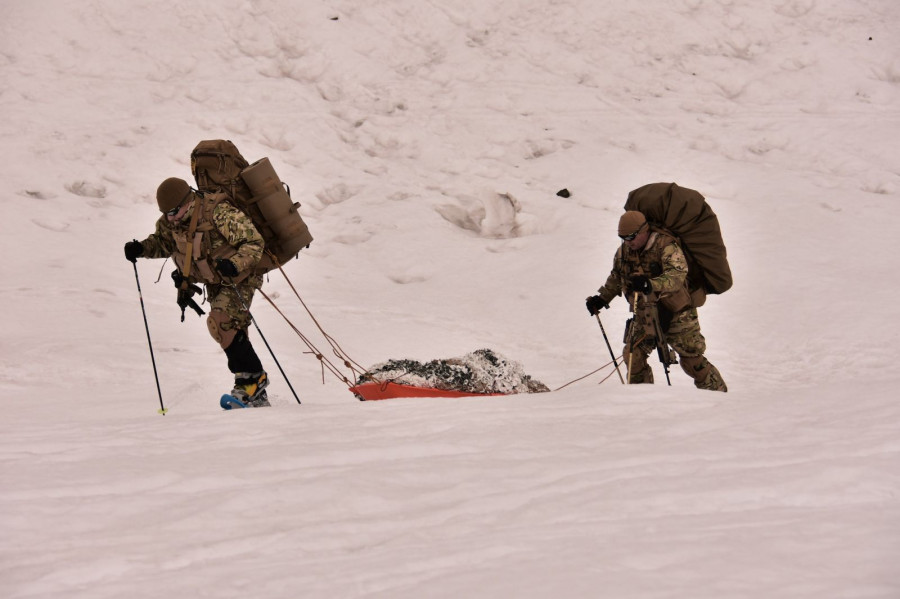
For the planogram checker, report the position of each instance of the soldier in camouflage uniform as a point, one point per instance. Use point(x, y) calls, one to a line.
point(650, 268)
point(226, 247)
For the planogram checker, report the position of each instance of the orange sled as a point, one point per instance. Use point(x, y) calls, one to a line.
point(375, 391)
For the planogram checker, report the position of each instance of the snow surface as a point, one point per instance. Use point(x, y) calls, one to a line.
point(427, 142)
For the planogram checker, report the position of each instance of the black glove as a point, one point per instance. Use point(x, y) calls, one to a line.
point(178, 279)
point(133, 249)
point(226, 267)
point(641, 284)
point(595, 303)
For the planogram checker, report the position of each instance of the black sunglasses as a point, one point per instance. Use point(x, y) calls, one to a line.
point(633, 235)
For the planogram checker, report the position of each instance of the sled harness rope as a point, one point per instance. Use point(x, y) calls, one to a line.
point(357, 370)
point(326, 364)
point(581, 378)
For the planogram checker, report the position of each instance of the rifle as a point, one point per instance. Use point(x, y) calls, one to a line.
point(662, 347)
point(186, 292)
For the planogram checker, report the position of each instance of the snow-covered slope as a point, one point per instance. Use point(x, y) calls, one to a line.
point(426, 142)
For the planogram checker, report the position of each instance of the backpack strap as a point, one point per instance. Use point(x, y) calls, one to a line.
point(192, 228)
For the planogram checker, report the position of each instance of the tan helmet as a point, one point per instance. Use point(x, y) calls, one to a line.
point(171, 193)
point(631, 222)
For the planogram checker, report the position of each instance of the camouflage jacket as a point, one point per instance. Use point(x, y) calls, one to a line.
point(662, 260)
point(222, 231)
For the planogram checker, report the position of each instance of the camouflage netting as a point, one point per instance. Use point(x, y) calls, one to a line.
point(481, 371)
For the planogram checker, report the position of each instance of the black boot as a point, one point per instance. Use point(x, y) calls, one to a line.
point(250, 380)
point(250, 388)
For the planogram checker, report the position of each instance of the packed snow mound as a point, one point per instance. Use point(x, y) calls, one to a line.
point(482, 371)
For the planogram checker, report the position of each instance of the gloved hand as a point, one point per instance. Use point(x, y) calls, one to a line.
point(226, 267)
point(641, 284)
point(133, 249)
point(595, 303)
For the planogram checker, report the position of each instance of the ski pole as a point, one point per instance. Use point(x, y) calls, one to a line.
point(611, 354)
point(162, 408)
point(263, 337)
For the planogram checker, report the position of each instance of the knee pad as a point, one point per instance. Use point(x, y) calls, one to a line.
point(216, 321)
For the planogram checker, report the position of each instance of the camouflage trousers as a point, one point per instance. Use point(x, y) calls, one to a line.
point(683, 336)
point(227, 315)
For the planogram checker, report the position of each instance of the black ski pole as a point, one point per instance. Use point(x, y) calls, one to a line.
point(263, 337)
point(611, 353)
point(162, 408)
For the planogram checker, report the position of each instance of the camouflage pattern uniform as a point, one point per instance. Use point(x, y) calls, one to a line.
point(662, 260)
point(222, 231)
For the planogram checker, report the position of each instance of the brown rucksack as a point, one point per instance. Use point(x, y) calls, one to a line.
point(685, 213)
point(256, 190)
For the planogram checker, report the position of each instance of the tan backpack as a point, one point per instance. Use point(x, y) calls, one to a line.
point(255, 189)
point(685, 213)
